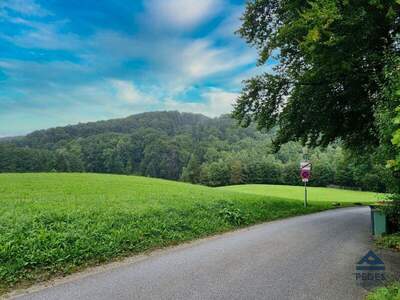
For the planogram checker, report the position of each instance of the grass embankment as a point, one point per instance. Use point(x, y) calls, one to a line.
point(54, 224)
point(315, 194)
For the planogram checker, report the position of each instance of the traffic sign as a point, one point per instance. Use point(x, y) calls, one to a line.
point(305, 171)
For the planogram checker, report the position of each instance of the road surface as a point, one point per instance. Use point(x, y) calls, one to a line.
point(307, 257)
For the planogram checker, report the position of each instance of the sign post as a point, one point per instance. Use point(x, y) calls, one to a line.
point(305, 173)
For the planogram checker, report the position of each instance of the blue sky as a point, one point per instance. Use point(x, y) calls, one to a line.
point(69, 61)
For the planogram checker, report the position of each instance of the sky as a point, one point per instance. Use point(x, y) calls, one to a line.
point(68, 61)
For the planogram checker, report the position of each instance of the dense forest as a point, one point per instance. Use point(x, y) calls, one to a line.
point(188, 147)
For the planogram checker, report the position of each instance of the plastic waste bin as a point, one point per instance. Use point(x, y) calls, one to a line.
point(378, 221)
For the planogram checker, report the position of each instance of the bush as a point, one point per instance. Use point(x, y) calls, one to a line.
point(389, 241)
point(392, 210)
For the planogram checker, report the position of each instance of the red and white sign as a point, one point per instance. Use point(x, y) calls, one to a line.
point(305, 171)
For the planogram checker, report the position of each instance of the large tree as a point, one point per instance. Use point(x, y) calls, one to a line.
point(330, 59)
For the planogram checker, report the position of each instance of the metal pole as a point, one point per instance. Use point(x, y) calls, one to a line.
point(305, 194)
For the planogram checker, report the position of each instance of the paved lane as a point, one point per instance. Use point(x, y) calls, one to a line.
point(307, 257)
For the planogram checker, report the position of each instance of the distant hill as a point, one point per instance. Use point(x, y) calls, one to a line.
point(183, 146)
point(10, 138)
point(168, 122)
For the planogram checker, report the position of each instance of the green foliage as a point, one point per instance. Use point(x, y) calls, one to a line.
point(218, 173)
point(231, 214)
point(388, 114)
point(54, 224)
point(331, 57)
point(236, 172)
point(191, 173)
point(389, 242)
point(15, 159)
point(391, 292)
point(392, 210)
point(395, 163)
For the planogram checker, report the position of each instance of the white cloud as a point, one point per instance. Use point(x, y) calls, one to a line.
point(216, 102)
point(24, 7)
point(44, 36)
point(182, 13)
point(60, 105)
point(201, 59)
point(38, 74)
point(173, 61)
point(126, 91)
point(230, 24)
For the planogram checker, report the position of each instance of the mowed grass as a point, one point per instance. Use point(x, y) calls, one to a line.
point(55, 224)
point(315, 194)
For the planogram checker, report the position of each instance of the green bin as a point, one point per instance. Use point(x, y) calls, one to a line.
point(378, 221)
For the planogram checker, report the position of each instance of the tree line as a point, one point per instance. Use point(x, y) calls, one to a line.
point(187, 147)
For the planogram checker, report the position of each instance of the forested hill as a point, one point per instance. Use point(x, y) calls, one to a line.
point(170, 123)
point(183, 146)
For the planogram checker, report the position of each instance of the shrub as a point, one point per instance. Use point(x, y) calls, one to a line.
point(389, 241)
point(392, 211)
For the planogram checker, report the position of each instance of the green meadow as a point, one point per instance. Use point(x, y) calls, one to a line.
point(315, 194)
point(53, 224)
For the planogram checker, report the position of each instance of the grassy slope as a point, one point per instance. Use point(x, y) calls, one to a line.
point(54, 224)
point(314, 193)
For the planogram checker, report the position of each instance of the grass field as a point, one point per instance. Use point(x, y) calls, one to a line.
point(316, 194)
point(55, 224)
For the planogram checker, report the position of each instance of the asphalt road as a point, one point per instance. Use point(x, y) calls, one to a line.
point(307, 257)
